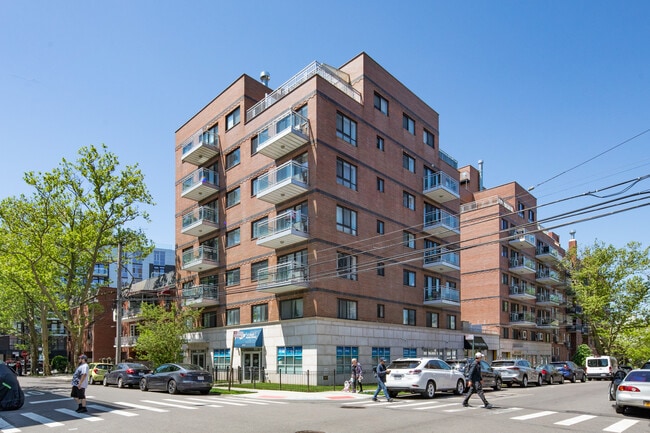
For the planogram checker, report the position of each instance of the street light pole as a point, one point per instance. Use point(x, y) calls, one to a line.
point(118, 306)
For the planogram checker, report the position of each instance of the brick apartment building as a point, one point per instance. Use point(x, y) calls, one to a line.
point(317, 222)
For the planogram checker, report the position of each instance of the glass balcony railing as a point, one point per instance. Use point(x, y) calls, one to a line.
point(441, 222)
point(442, 294)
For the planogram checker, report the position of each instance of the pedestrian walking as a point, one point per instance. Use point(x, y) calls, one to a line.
point(80, 383)
point(381, 372)
point(475, 382)
point(357, 375)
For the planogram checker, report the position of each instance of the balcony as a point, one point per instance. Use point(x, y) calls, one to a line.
point(200, 221)
point(203, 295)
point(547, 276)
point(284, 278)
point(547, 323)
point(574, 310)
point(522, 291)
point(549, 299)
point(440, 187)
point(131, 314)
point(522, 320)
point(441, 295)
point(200, 259)
point(547, 255)
point(283, 183)
point(127, 341)
point(200, 184)
point(522, 265)
point(441, 223)
point(202, 147)
point(441, 260)
point(520, 239)
point(284, 230)
point(283, 135)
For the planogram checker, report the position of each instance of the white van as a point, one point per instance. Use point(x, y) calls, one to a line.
point(601, 367)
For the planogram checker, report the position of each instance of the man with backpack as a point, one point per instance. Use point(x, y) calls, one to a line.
point(381, 372)
point(475, 382)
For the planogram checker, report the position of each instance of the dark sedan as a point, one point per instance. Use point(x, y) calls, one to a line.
point(175, 378)
point(126, 374)
point(571, 371)
point(491, 377)
point(550, 374)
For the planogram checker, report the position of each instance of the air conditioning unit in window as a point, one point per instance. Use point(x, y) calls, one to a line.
point(464, 176)
point(524, 335)
point(540, 336)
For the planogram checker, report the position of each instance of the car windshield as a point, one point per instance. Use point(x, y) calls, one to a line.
point(190, 367)
point(404, 364)
point(599, 362)
point(560, 364)
point(503, 363)
point(638, 376)
point(132, 365)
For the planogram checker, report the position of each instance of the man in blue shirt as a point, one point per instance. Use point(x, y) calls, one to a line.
point(382, 371)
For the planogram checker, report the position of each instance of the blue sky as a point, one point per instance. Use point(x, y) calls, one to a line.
point(535, 89)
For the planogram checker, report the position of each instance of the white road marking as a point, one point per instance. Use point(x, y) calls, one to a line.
point(110, 410)
point(139, 406)
point(533, 415)
point(575, 420)
point(214, 400)
point(621, 426)
point(83, 416)
point(5, 427)
point(38, 418)
point(433, 407)
point(162, 403)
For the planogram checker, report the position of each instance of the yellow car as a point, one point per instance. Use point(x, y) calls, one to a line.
point(97, 370)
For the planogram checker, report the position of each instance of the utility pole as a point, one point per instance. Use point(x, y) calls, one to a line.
point(118, 306)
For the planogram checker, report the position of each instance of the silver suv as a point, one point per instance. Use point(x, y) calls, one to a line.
point(517, 371)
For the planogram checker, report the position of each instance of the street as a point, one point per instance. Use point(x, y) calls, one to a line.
point(579, 407)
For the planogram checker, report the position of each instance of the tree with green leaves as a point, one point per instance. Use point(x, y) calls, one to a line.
point(162, 331)
point(74, 219)
point(612, 286)
point(582, 352)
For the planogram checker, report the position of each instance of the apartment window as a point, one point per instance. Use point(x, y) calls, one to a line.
point(408, 200)
point(504, 279)
point(451, 322)
point(158, 257)
point(381, 104)
point(504, 251)
point(232, 238)
point(432, 320)
point(410, 352)
point(380, 143)
point(233, 159)
point(233, 118)
point(380, 352)
point(255, 186)
point(381, 311)
point(408, 162)
point(409, 240)
point(380, 269)
point(232, 316)
point(260, 228)
point(408, 317)
point(255, 143)
point(380, 184)
point(520, 209)
point(209, 319)
point(291, 309)
point(260, 313)
point(531, 215)
point(380, 227)
point(344, 355)
point(504, 224)
point(346, 220)
point(233, 197)
point(505, 333)
point(258, 267)
point(409, 278)
point(232, 277)
point(505, 307)
point(347, 309)
point(428, 138)
point(346, 266)
point(290, 359)
point(346, 174)
point(408, 124)
point(346, 129)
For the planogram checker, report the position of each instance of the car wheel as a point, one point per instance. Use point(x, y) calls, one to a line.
point(540, 380)
point(573, 378)
point(509, 384)
point(524, 382)
point(561, 380)
point(205, 391)
point(620, 409)
point(612, 396)
point(143, 385)
point(430, 390)
point(584, 378)
point(460, 387)
point(550, 380)
point(120, 382)
point(392, 394)
point(171, 387)
point(498, 384)
point(105, 381)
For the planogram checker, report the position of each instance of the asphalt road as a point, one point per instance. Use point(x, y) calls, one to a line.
point(579, 407)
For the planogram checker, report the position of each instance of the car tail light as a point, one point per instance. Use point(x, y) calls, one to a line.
point(416, 371)
point(544, 372)
point(513, 368)
point(130, 371)
point(182, 374)
point(95, 370)
point(628, 388)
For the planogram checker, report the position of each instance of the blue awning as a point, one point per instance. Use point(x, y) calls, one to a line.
point(249, 338)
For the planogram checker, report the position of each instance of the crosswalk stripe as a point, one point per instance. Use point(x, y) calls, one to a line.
point(162, 403)
point(533, 415)
point(193, 403)
point(110, 410)
point(5, 427)
point(82, 416)
point(38, 418)
point(139, 406)
point(214, 400)
point(575, 420)
point(621, 426)
point(433, 407)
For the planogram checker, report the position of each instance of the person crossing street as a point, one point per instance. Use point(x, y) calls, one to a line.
point(475, 382)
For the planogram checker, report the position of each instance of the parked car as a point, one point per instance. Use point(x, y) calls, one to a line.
point(634, 391)
point(517, 371)
point(571, 371)
point(175, 378)
point(646, 366)
point(601, 367)
point(97, 371)
point(628, 368)
point(491, 377)
point(549, 373)
point(424, 376)
point(126, 374)
point(458, 364)
point(618, 378)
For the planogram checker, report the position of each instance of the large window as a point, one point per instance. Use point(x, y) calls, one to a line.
point(432, 320)
point(344, 355)
point(408, 317)
point(408, 200)
point(409, 278)
point(232, 277)
point(346, 129)
point(255, 228)
point(409, 239)
point(209, 319)
point(233, 118)
point(408, 162)
point(258, 267)
point(408, 124)
point(347, 309)
point(346, 266)
point(381, 104)
point(291, 309)
point(233, 238)
point(221, 359)
point(233, 197)
point(380, 352)
point(232, 316)
point(290, 359)
point(346, 174)
point(233, 159)
point(346, 220)
point(260, 313)
point(428, 138)
point(451, 322)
